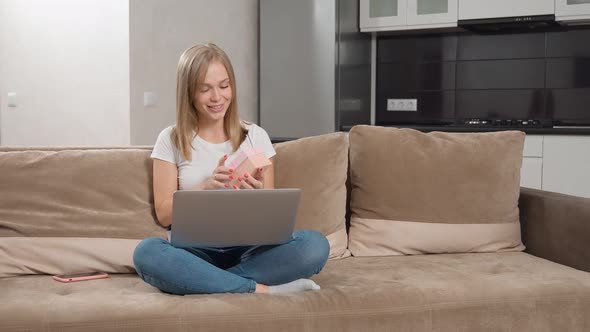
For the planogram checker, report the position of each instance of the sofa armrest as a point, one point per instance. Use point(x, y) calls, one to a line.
point(556, 227)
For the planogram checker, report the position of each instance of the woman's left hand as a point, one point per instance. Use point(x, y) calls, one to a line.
point(247, 181)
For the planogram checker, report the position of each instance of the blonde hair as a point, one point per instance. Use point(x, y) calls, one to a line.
point(191, 70)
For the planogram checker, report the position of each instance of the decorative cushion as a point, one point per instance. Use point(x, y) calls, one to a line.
point(319, 166)
point(418, 193)
point(59, 204)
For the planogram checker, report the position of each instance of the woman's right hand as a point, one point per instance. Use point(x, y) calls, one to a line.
point(220, 177)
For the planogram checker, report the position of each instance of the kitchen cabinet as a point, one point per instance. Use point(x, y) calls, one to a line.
point(531, 173)
point(572, 11)
point(432, 14)
point(566, 164)
point(379, 15)
point(557, 163)
point(392, 15)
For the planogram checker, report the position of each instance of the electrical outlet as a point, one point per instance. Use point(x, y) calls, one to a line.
point(412, 105)
point(402, 105)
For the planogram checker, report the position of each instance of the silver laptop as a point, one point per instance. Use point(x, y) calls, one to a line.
point(226, 218)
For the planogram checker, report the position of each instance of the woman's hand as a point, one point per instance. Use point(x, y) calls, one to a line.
point(220, 177)
point(248, 181)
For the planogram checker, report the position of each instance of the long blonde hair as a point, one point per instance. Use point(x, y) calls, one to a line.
point(191, 70)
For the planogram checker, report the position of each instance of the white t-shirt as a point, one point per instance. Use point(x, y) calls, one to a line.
point(206, 155)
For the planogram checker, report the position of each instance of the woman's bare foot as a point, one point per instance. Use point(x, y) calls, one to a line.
point(260, 288)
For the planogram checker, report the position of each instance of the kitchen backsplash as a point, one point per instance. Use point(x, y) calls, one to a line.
point(542, 76)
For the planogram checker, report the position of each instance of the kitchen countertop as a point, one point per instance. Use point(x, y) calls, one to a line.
point(562, 130)
point(474, 129)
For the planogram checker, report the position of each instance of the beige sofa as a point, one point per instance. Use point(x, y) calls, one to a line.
point(75, 209)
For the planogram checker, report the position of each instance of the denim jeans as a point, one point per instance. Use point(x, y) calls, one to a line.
point(231, 269)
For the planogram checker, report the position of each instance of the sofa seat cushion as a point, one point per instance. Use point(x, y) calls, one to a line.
point(510, 291)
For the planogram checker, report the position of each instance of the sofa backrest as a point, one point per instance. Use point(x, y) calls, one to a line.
point(66, 210)
point(98, 193)
point(426, 193)
point(75, 209)
point(69, 209)
point(319, 166)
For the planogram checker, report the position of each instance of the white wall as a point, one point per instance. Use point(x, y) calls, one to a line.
point(68, 62)
point(160, 30)
point(80, 67)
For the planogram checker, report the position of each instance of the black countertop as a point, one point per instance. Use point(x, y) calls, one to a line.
point(474, 129)
point(481, 129)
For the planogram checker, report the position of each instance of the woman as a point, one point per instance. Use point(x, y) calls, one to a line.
point(192, 155)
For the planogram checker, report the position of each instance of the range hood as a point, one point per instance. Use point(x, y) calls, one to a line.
point(518, 23)
point(501, 15)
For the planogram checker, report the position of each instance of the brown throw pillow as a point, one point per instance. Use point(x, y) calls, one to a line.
point(318, 165)
point(74, 210)
point(417, 193)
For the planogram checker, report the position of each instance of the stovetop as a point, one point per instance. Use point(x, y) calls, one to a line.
point(508, 123)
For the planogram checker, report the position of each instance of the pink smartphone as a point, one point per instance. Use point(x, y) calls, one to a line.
point(80, 276)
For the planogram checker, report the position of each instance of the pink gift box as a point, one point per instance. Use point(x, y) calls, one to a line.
point(248, 161)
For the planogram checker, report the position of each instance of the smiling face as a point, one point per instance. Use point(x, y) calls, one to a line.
point(214, 95)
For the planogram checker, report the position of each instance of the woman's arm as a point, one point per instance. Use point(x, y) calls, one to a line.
point(165, 184)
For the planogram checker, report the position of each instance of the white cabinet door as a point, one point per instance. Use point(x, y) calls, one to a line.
point(533, 146)
point(380, 15)
point(531, 173)
point(432, 13)
point(572, 10)
point(566, 164)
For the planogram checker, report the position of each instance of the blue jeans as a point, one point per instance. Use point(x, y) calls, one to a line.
point(232, 269)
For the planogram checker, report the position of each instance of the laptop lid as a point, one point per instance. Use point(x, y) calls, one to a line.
point(225, 218)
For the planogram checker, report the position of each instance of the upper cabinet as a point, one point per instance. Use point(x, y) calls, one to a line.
point(432, 14)
point(572, 11)
point(391, 15)
point(394, 15)
point(379, 15)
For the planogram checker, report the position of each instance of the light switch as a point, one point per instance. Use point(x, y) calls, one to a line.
point(150, 99)
point(12, 99)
